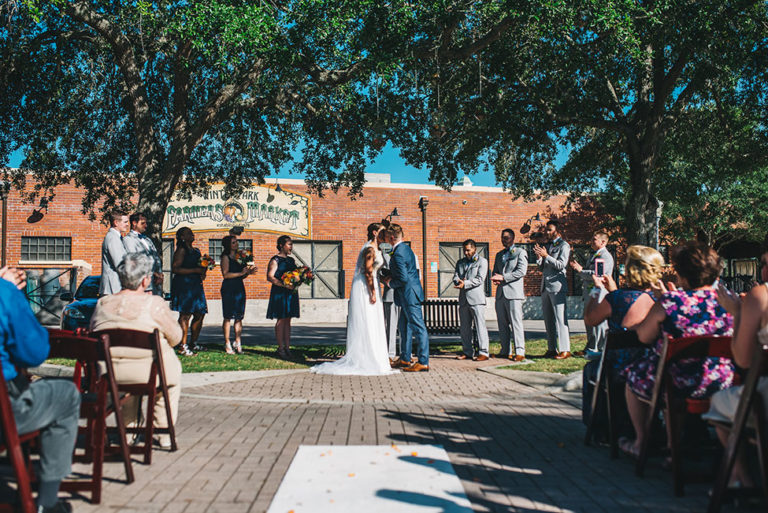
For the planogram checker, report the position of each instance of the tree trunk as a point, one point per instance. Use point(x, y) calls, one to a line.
point(155, 192)
point(642, 205)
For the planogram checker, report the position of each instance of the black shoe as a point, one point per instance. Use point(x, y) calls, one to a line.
point(60, 507)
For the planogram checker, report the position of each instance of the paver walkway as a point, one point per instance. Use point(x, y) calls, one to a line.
point(514, 447)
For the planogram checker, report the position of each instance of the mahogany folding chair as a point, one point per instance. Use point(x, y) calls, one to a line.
point(156, 383)
point(751, 405)
point(98, 401)
point(12, 444)
point(602, 388)
point(675, 407)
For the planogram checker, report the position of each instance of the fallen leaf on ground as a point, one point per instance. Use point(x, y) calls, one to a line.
point(414, 453)
point(351, 475)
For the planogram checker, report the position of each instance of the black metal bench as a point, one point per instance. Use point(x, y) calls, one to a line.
point(442, 318)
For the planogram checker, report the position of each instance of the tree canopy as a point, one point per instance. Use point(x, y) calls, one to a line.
point(150, 97)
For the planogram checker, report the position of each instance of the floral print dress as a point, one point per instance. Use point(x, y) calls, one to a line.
point(689, 313)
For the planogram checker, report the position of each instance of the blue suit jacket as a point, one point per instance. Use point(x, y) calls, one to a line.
point(405, 277)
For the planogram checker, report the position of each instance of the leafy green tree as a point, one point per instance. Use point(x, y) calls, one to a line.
point(618, 83)
point(153, 97)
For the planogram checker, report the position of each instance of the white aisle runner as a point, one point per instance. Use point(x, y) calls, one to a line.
point(370, 479)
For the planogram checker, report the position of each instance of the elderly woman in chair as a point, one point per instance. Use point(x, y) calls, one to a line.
point(133, 309)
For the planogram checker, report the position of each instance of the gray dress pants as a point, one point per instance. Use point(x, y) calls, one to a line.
point(509, 312)
point(391, 316)
point(468, 313)
point(53, 407)
point(556, 321)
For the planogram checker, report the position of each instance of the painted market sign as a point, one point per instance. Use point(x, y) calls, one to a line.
point(258, 209)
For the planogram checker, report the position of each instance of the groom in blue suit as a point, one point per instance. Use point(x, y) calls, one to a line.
point(404, 280)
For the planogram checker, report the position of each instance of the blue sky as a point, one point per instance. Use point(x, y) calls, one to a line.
point(388, 161)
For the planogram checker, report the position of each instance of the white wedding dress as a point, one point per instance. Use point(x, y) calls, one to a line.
point(367, 351)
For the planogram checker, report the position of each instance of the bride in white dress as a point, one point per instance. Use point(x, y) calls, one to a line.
point(367, 351)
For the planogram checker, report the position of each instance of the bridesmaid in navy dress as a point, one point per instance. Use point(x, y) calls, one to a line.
point(283, 300)
point(187, 294)
point(233, 292)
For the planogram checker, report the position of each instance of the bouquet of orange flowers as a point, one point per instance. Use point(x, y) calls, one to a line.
point(300, 275)
point(244, 257)
point(206, 261)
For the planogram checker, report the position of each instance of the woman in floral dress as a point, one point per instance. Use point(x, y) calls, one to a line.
point(689, 311)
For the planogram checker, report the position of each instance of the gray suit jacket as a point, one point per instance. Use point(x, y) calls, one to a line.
point(112, 253)
point(589, 269)
point(512, 264)
point(473, 272)
point(553, 267)
point(135, 242)
point(387, 294)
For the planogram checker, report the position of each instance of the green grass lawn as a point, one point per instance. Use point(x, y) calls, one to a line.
point(534, 351)
point(265, 357)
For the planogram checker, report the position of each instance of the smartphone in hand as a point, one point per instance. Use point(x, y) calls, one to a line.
point(599, 267)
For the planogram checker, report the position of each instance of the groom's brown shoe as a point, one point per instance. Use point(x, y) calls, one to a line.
point(400, 364)
point(481, 358)
point(417, 367)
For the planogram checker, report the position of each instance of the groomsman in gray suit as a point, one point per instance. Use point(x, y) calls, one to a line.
point(595, 334)
point(509, 270)
point(553, 261)
point(469, 277)
point(112, 253)
point(137, 242)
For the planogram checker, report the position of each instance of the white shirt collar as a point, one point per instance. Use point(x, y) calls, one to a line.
point(397, 244)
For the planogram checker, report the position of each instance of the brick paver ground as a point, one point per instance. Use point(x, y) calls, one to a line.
point(514, 447)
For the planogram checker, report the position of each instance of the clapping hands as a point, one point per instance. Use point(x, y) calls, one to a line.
point(659, 288)
point(540, 251)
point(729, 300)
point(14, 275)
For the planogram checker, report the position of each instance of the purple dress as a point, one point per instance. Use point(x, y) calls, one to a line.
point(689, 313)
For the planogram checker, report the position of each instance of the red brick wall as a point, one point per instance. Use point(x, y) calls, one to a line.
point(478, 213)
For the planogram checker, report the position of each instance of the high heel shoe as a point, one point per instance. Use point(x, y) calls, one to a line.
point(237, 347)
point(184, 350)
point(228, 348)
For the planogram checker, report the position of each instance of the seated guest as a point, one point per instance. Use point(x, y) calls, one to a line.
point(690, 311)
point(50, 405)
point(133, 309)
point(623, 309)
point(751, 327)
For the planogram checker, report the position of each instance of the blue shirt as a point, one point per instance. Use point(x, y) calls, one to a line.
point(23, 341)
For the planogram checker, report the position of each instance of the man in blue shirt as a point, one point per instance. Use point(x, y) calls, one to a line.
point(52, 406)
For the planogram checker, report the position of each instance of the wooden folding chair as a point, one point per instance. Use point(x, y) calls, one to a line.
point(12, 444)
point(751, 405)
point(95, 407)
point(156, 383)
point(675, 408)
point(602, 388)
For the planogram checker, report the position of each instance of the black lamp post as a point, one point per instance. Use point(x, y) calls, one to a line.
point(423, 202)
point(5, 188)
point(394, 213)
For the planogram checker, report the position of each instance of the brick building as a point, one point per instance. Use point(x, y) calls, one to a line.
point(336, 230)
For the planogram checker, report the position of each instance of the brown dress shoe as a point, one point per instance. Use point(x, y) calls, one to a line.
point(463, 357)
point(579, 353)
point(400, 364)
point(563, 355)
point(550, 354)
point(417, 367)
point(482, 358)
point(517, 358)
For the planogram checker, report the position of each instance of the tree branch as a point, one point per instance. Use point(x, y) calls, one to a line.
point(138, 105)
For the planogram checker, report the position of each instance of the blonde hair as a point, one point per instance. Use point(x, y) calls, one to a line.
point(644, 266)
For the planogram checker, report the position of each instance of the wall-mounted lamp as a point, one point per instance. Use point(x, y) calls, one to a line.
point(527, 225)
point(37, 213)
point(278, 188)
point(394, 213)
